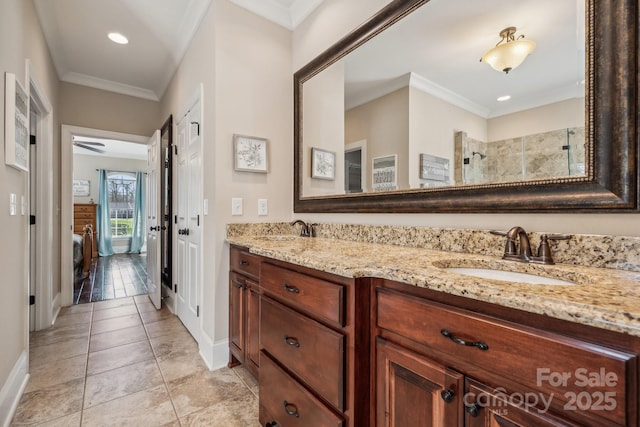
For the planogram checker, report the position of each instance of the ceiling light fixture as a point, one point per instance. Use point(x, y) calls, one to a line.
point(508, 55)
point(118, 38)
point(504, 98)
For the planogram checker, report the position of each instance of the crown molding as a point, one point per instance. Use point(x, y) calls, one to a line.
point(108, 85)
point(287, 17)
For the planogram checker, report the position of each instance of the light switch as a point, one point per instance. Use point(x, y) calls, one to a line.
point(205, 207)
point(263, 208)
point(236, 206)
point(13, 204)
point(23, 207)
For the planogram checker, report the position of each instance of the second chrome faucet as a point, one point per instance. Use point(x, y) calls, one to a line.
point(518, 246)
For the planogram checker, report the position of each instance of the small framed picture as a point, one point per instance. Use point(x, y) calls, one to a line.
point(250, 154)
point(434, 168)
point(81, 188)
point(16, 119)
point(384, 173)
point(323, 164)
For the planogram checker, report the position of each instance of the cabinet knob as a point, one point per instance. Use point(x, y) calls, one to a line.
point(291, 409)
point(473, 409)
point(244, 262)
point(292, 341)
point(447, 395)
point(291, 289)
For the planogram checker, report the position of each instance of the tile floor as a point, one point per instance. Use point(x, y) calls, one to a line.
point(115, 276)
point(122, 362)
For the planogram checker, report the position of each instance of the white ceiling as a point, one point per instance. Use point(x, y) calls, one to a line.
point(159, 32)
point(111, 148)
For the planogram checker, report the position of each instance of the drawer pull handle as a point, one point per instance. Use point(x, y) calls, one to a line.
point(239, 284)
point(460, 341)
point(291, 409)
point(292, 341)
point(243, 262)
point(291, 289)
point(473, 409)
point(447, 395)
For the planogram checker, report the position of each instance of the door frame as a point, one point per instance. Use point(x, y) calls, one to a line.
point(362, 146)
point(46, 302)
point(66, 197)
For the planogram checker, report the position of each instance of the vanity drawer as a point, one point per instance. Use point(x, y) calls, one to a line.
point(289, 403)
point(532, 357)
point(315, 296)
point(243, 262)
point(311, 351)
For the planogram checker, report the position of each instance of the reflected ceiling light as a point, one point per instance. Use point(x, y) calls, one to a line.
point(118, 38)
point(504, 98)
point(508, 55)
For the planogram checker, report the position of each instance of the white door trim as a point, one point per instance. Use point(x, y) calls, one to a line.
point(66, 198)
point(45, 300)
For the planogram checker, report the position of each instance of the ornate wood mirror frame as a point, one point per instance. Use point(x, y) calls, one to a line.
point(611, 183)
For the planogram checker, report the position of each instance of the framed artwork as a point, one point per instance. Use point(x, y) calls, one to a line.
point(323, 164)
point(384, 173)
point(434, 168)
point(16, 124)
point(81, 188)
point(250, 154)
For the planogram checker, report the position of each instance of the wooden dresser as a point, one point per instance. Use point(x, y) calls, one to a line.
point(83, 214)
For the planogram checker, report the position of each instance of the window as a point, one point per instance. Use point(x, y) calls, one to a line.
point(122, 198)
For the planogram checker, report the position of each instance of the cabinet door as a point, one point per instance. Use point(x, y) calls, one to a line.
point(414, 391)
point(253, 328)
point(237, 285)
point(486, 407)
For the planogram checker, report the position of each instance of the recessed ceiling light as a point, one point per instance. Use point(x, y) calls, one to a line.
point(118, 38)
point(504, 98)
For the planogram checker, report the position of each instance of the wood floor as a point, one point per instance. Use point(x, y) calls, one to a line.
point(116, 276)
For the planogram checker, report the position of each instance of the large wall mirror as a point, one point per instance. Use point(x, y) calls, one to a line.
point(402, 115)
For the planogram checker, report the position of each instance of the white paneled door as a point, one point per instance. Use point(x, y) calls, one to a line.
point(189, 220)
point(154, 168)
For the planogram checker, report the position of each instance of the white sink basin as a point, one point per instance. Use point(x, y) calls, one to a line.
point(508, 276)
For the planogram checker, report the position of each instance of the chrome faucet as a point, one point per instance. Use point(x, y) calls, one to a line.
point(306, 230)
point(524, 253)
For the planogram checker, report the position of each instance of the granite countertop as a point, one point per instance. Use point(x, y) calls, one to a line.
point(604, 298)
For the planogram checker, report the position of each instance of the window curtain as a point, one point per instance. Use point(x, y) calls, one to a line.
point(137, 229)
point(105, 247)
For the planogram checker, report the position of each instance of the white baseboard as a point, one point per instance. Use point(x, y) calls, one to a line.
point(215, 355)
point(12, 389)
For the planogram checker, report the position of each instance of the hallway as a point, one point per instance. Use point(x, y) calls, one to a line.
point(121, 362)
point(115, 276)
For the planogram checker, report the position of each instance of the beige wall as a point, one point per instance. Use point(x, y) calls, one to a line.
point(335, 18)
point(20, 38)
point(98, 109)
point(84, 167)
point(244, 63)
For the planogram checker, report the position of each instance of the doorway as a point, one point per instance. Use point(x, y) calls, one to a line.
point(355, 167)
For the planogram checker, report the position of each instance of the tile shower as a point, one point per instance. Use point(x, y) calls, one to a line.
point(558, 153)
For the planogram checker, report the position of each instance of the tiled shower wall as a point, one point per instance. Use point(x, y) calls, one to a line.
point(552, 154)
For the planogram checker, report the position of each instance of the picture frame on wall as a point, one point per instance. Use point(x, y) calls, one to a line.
point(434, 168)
point(250, 154)
point(16, 120)
point(384, 173)
point(81, 188)
point(323, 164)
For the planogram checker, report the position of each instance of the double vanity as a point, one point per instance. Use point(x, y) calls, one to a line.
point(360, 332)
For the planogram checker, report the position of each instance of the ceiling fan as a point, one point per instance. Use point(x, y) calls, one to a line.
point(88, 146)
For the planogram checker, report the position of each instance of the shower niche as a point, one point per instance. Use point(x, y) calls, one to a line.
point(552, 154)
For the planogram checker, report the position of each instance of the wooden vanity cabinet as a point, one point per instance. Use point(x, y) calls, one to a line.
point(315, 335)
point(436, 361)
point(244, 310)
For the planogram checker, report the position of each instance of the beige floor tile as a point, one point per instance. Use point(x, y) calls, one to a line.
point(237, 412)
point(116, 338)
point(202, 390)
point(181, 366)
point(169, 326)
point(120, 382)
point(45, 354)
point(112, 303)
point(62, 371)
point(50, 403)
point(77, 308)
point(156, 315)
point(110, 313)
point(72, 319)
point(116, 357)
point(57, 334)
point(150, 407)
point(170, 346)
point(100, 326)
point(145, 306)
point(141, 298)
point(72, 420)
point(247, 379)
